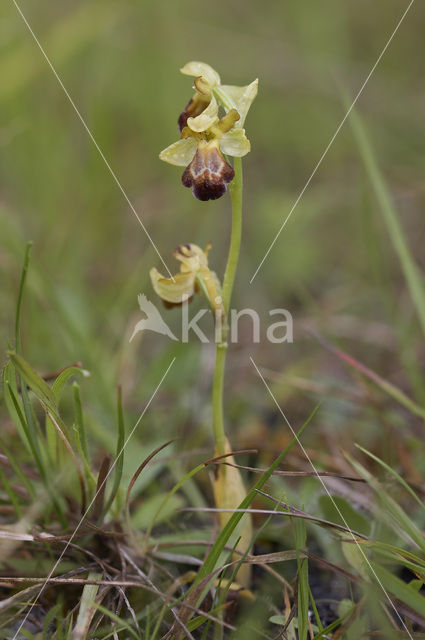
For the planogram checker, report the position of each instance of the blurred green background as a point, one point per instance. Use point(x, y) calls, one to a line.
point(333, 266)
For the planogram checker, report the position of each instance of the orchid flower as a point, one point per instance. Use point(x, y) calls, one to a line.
point(194, 276)
point(205, 137)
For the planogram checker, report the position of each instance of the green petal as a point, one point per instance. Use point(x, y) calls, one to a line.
point(242, 97)
point(235, 143)
point(180, 153)
point(210, 286)
point(173, 290)
point(206, 119)
point(201, 69)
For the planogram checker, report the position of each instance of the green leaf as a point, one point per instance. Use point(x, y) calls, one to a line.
point(12, 496)
point(80, 427)
point(169, 495)
point(87, 608)
point(55, 611)
point(121, 623)
point(404, 592)
point(34, 381)
point(18, 314)
point(142, 516)
point(13, 404)
point(119, 456)
point(398, 555)
point(60, 382)
point(394, 473)
point(391, 512)
point(338, 510)
point(303, 587)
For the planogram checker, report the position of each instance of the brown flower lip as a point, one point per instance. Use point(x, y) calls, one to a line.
point(208, 173)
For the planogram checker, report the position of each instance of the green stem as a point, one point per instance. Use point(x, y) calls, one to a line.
point(229, 278)
point(217, 398)
point(235, 241)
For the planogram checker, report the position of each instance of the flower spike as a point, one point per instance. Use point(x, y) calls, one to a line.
point(205, 137)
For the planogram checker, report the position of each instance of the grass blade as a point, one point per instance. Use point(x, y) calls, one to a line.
point(303, 586)
point(119, 454)
point(34, 381)
point(390, 510)
point(410, 269)
point(394, 473)
point(60, 382)
point(87, 608)
point(20, 297)
point(387, 387)
point(404, 592)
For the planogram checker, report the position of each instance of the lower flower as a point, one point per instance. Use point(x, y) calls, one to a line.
point(194, 277)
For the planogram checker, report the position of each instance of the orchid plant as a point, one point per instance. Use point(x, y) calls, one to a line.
point(212, 129)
